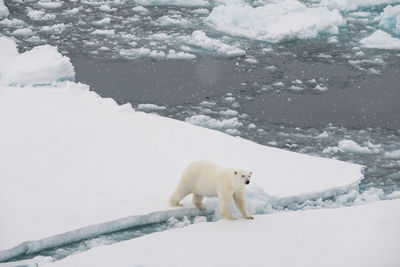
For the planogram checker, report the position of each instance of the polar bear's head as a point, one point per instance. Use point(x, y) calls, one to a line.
point(243, 175)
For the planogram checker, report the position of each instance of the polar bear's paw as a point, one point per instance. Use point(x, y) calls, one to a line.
point(175, 204)
point(248, 217)
point(201, 207)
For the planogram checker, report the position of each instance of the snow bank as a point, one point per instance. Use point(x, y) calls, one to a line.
point(3, 10)
point(355, 236)
point(274, 22)
point(75, 165)
point(201, 40)
point(348, 5)
point(381, 40)
point(42, 64)
point(389, 19)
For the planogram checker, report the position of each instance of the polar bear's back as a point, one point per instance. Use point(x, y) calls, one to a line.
point(201, 177)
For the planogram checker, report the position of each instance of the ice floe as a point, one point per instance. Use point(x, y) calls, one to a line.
point(39, 15)
point(42, 64)
point(389, 19)
point(201, 40)
point(366, 235)
point(3, 10)
point(381, 40)
point(91, 166)
point(185, 3)
point(276, 21)
point(50, 4)
point(13, 22)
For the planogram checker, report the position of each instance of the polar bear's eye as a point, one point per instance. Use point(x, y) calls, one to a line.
point(242, 175)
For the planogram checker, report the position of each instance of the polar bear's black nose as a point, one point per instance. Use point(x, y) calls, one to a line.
point(247, 181)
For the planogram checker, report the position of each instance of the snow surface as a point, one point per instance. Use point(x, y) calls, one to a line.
point(42, 64)
point(275, 22)
point(3, 10)
point(381, 40)
point(355, 236)
point(75, 165)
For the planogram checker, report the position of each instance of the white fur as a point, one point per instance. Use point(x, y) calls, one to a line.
point(206, 179)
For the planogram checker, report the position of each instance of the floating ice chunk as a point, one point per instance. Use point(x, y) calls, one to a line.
point(381, 40)
point(201, 11)
point(332, 40)
point(392, 154)
point(352, 147)
point(103, 32)
point(296, 88)
point(142, 52)
point(200, 39)
point(251, 60)
point(157, 54)
point(168, 21)
point(324, 134)
point(23, 32)
point(160, 36)
point(12, 22)
point(102, 22)
point(389, 19)
point(39, 15)
point(42, 64)
point(349, 5)
point(320, 87)
point(49, 4)
point(172, 54)
point(191, 3)
point(150, 107)
point(57, 28)
point(107, 8)
point(135, 52)
point(208, 122)
point(278, 84)
point(229, 113)
point(72, 11)
point(275, 21)
point(140, 9)
point(3, 10)
point(232, 131)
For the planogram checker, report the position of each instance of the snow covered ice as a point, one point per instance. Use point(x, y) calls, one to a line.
point(67, 138)
point(356, 236)
point(43, 64)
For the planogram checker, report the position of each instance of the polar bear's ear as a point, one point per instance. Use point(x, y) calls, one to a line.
point(235, 172)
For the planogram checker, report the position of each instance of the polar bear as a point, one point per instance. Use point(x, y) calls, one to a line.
point(206, 179)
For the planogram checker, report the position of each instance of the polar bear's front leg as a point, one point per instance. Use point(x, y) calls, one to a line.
point(224, 202)
point(240, 201)
point(197, 201)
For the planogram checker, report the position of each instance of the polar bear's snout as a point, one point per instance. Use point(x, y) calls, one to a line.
point(247, 181)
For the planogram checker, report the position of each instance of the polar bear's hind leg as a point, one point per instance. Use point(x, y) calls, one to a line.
point(197, 201)
point(177, 196)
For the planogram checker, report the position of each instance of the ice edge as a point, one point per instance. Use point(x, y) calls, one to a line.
point(90, 231)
